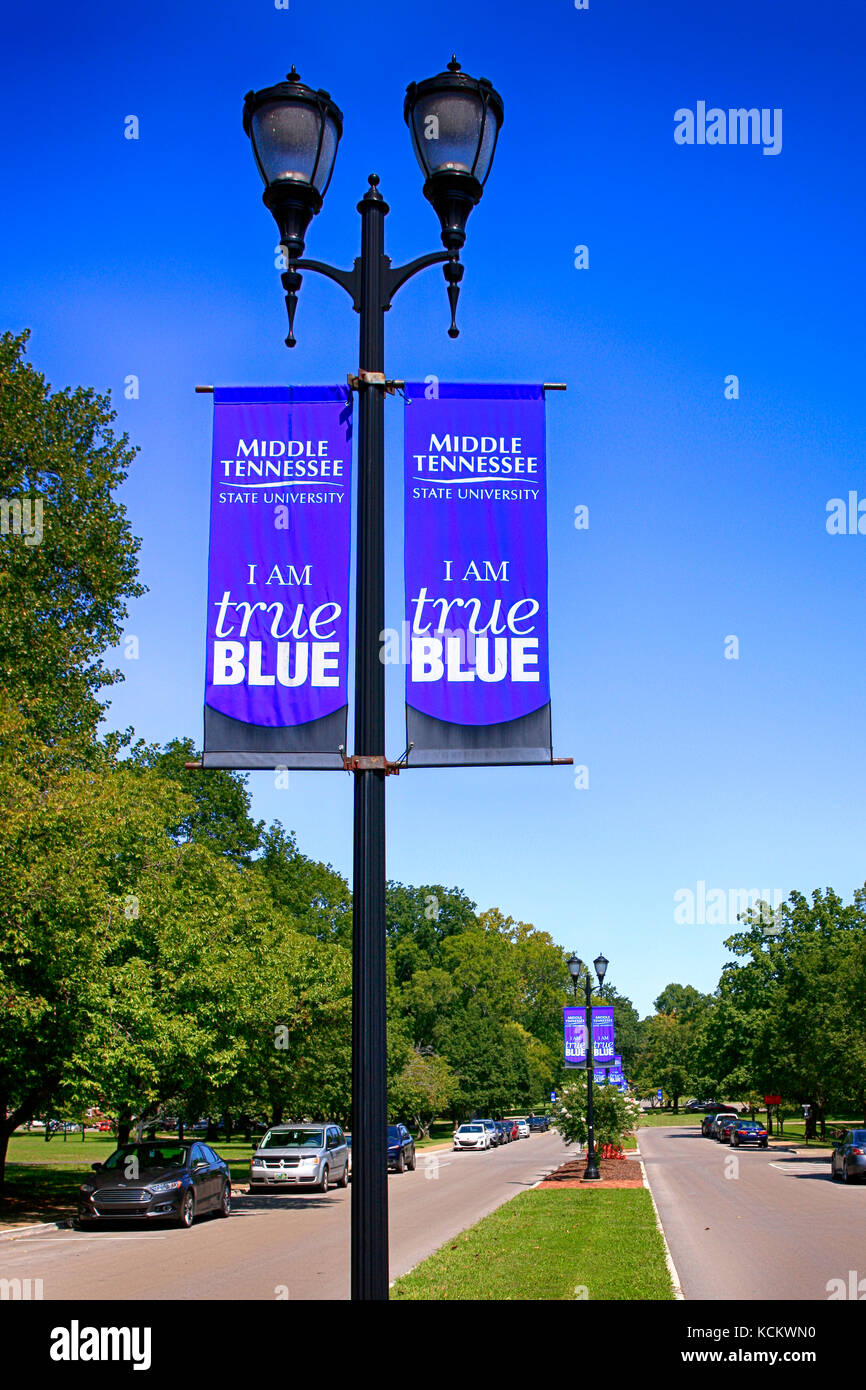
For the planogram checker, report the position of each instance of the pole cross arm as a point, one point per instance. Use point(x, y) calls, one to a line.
point(349, 279)
point(401, 273)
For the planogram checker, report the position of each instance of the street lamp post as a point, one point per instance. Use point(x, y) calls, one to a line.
point(454, 121)
point(575, 966)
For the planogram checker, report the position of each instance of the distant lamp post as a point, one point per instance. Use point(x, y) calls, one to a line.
point(575, 966)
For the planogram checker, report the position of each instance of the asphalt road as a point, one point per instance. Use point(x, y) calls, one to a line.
point(752, 1223)
point(293, 1246)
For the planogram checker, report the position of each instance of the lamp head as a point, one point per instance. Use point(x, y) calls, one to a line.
point(294, 132)
point(454, 121)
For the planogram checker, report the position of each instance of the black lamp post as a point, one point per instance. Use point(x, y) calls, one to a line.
point(454, 120)
point(575, 966)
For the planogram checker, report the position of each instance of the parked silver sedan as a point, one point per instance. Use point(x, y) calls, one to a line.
point(848, 1159)
point(300, 1155)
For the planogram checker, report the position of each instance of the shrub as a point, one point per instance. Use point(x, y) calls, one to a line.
point(615, 1114)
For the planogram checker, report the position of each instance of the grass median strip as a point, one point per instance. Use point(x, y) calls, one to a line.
point(546, 1244)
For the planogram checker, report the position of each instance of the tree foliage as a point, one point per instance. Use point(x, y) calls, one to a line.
point(63, 598)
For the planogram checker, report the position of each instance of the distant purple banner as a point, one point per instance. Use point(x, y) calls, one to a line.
point(475, 544)
point(278, 588)
point(602, 1035)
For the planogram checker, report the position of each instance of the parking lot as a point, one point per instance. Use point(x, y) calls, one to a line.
point(291, 1245)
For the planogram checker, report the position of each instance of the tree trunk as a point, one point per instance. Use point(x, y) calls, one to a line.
point(22, 1114)
point(4, 1145)
point(124, 1125)
point(278, 1114)
point(676, 1105)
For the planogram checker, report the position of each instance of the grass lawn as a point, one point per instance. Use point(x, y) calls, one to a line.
point(565, 1245)
point(440, 1131)
point(651, 1118)
point(795, 1130)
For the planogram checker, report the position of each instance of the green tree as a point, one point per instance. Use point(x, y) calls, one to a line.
point(218, 801)
point(75, 846)
point(62, 600)
point(666, 1057)
point(313, 896)
point(627, 1029)
point(424, 1088)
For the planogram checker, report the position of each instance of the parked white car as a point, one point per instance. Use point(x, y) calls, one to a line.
point(472, 1136)
point(523, 1129)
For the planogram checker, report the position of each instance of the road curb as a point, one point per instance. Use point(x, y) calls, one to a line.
point(669, 1259)
point(64, 1225)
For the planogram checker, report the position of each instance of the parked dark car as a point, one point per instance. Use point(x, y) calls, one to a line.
point(724, 1126)
point(504, 1128)
point(848, 1159)
point(538, 1124)
point(401, 1149)
point(749, 1132)
point(156, 1181)
point(710, 1118)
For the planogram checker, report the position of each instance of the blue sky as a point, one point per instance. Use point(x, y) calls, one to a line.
point(155, 257)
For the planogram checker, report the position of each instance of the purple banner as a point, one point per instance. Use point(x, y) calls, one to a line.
point(475, 544)
point(575, 1036)
point(278, 588)
point(602, 1036)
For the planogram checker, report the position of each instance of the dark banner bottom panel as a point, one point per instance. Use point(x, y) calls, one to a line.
point(438, 743)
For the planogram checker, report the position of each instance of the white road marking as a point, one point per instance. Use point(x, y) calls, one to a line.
point(794, 1170)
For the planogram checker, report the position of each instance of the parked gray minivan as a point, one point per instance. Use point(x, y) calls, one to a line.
point(307, 1154)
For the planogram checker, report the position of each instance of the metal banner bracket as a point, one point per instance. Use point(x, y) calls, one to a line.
point(376, 762)
point(365, 379)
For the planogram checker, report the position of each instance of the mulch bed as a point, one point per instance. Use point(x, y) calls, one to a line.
point(615, 1172)
point(25, 1209)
